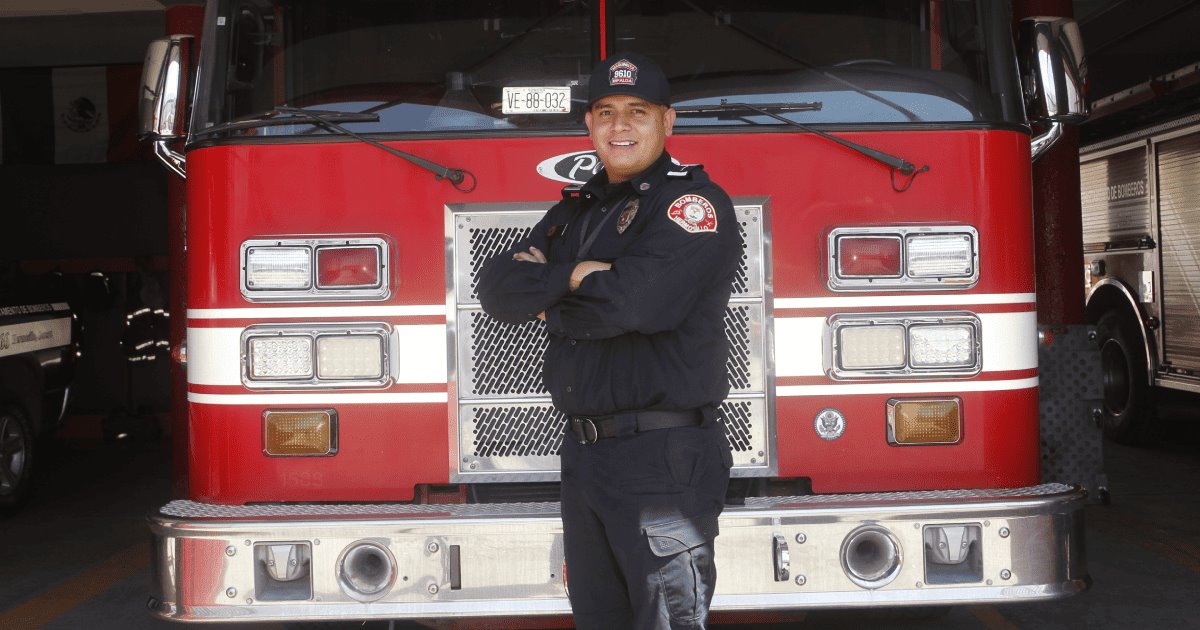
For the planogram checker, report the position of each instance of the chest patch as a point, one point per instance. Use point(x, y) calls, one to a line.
point(627, 215)
point(693, 213)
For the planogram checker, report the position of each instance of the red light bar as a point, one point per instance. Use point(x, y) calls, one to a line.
point(868, 256)
point(348, 267)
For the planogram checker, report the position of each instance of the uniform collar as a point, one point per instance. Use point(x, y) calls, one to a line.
point(643, 183)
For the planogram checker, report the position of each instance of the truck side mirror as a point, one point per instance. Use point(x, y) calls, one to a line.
point(162, 108)
point(1053, 73)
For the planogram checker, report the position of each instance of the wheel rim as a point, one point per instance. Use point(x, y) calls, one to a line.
point(1117, 378)
point(13, 444)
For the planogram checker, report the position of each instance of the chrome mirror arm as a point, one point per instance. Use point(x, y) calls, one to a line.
point(1041, 143)
point(172, 158)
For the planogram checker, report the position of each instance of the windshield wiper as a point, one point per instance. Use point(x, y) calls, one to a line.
point(284, 114)
point(897, 164)
point(725, 107)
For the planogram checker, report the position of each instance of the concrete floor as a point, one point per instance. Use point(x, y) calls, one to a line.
point(77, 557)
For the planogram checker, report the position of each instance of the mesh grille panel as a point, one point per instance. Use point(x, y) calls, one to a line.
point(507, 431)
point(537, 430)
point(737, 331)
point(506, 359)
point(507, 427)
point(739, 424)
point(485, 243)
point(741, 281)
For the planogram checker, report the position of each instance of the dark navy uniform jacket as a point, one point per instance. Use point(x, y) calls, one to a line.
point(650, 332)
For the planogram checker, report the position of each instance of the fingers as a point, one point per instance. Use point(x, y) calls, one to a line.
point(585, 269)
point(534, 255)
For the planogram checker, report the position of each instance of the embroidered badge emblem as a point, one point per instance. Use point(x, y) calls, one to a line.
point(693, 213)
point(622, 73)
point(627, 215)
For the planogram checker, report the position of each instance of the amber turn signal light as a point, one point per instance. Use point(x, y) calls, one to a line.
point(924, 421)
point(300, 432)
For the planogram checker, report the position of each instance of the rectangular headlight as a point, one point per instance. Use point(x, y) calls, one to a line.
point(942, 346)
point(349, 357)
point(902, 257)
point(903, 345)
point(349, 267)
point(278, 268)
point(315, 269)
point(940, 256)
point(316, 355)
point(280, 357)
point(869, 256)
point(871, 347)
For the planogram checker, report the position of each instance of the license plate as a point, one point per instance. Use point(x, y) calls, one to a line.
point(537, 100)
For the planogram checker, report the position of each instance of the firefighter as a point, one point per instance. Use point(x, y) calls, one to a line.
point(631, 274)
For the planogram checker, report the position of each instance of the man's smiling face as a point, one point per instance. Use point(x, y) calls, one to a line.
point(629, 133)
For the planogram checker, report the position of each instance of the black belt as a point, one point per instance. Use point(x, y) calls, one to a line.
point(590, 429)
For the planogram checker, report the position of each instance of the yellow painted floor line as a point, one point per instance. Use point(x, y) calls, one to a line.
point(56, 602)
point(992, 618)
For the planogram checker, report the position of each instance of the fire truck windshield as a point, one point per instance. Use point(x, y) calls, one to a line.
point(520, 66)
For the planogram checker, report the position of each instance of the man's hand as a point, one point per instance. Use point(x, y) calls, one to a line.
point(584, 269)
point(534, 255)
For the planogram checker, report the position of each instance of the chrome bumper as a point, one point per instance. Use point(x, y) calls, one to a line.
point(507, 560)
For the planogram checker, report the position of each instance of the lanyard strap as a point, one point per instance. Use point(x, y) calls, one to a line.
point(589, 239)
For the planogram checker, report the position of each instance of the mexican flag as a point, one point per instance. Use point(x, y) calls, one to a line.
point(75, 115)
point(80, 115)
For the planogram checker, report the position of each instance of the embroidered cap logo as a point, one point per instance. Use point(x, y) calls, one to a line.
point(622, 73)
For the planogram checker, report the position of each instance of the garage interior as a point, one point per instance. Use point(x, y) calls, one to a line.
point(90, 225)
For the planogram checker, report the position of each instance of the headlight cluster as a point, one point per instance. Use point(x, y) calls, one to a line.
point(315, 269)
point(900, 257)
point(334, 355)
point(904, 345)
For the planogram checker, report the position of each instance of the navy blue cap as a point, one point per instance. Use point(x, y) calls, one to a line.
point(630, 74)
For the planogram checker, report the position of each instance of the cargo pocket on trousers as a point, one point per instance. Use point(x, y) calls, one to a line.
point(688, 577)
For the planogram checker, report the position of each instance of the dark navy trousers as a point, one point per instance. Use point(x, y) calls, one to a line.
point(639, 520)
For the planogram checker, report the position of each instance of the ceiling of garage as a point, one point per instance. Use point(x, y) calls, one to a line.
point(1142, 58)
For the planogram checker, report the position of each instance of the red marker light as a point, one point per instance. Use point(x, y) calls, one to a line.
point(344, 267)
point(868, 256)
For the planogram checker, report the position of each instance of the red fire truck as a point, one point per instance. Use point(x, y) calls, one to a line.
point(364, 442)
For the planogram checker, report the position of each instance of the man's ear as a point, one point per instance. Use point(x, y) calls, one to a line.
point(669, 119)
point(587, 120)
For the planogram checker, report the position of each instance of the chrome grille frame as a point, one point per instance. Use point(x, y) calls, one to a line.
point(503, 426)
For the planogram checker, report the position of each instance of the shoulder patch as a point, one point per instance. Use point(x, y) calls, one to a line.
point(693, 213)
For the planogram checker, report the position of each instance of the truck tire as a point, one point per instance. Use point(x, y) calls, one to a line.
point(1127, 405)
point(16, 457)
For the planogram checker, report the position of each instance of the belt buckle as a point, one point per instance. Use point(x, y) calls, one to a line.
point(586, 429)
